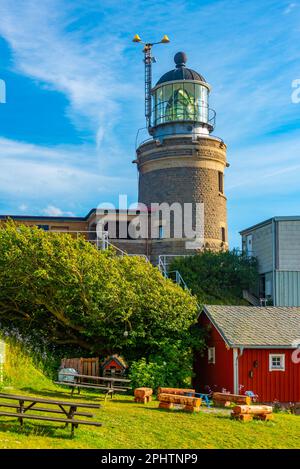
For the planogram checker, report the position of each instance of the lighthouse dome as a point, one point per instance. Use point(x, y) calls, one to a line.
point(181, 72)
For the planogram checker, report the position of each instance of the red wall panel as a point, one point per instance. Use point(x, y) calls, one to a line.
point(269, 385)
point(219, 375)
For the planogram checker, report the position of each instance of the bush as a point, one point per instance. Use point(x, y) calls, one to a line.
point(171, 367)
point(218, 277)
point(146, 374)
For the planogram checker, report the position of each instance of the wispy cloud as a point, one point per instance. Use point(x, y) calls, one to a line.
point(290, 7)
point(34, 176)
point(53, 211)
point(48, 47)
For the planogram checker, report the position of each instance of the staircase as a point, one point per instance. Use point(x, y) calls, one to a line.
point(252, 299)
point(163, 265)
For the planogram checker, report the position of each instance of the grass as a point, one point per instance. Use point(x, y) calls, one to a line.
point(130, 425)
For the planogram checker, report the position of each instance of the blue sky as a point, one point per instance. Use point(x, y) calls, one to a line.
point(75, 99)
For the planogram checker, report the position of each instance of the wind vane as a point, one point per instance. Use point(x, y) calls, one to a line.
point(148, 60)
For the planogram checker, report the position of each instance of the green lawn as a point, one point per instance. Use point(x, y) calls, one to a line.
point(130, 425)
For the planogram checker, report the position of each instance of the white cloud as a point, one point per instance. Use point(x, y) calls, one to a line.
point(266, 168)
point(46, 49)
point(53, 211)
point(35, 176)
point(290, 8)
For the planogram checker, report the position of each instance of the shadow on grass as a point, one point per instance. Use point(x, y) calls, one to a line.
point(60, 394)
point(120, 401)
point(31, 429)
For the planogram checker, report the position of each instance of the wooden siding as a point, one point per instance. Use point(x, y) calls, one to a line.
point(219, 375)
point(84, 366)
point(269, 385)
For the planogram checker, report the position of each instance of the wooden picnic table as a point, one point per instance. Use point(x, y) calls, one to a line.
point(66, 409)
point(109, 385)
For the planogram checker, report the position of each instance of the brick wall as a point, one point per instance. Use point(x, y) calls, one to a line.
point(181, 170)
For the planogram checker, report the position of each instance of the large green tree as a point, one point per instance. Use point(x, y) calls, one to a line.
point(77, 295)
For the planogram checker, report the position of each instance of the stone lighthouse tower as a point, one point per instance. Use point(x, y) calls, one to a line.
point(182, 162)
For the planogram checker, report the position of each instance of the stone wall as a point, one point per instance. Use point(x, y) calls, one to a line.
point(185, 171)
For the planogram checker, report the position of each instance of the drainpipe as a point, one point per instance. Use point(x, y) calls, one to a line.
point(274, 261)
point(236, 355)
point(235, 371)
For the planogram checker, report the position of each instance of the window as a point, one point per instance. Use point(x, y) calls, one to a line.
point(180, 101)
point(223, 234)
point(161, 232)
point(249, 248)
point(59, 228)
point(43, 227)
point(211, 355)
point(276, 362)
point(221, 182)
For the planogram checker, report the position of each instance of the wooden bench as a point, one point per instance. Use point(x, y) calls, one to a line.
point(108, 385)
point(189, 403)
point(66, 409)
point(186, 392)
point(225, 399)
point(246, 413)
point(178, 391)
point(143, 395)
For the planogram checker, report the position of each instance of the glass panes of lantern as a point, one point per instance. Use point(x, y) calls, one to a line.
point(180, 102)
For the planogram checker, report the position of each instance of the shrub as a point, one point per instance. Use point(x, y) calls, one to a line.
point(218, 277)
point(146, 374)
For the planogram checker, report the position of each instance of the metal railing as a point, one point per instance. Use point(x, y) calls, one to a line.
point(164, 261)
point(91, 236)
point(244, 252)
point(138, 142)
point(177, 278)
point(101, 242)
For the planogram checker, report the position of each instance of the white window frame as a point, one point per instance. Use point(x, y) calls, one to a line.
point(211, 355)
point(282, 361)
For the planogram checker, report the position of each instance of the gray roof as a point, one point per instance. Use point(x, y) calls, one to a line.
point(181, 73)
point(255, 326)
point(268, 221)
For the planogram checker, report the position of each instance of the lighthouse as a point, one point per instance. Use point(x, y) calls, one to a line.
point(182, 162)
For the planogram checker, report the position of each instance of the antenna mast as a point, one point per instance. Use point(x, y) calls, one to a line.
point(148, 60)
point(148, 82)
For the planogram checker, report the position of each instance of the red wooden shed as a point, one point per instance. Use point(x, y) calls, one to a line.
point(251, 349)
